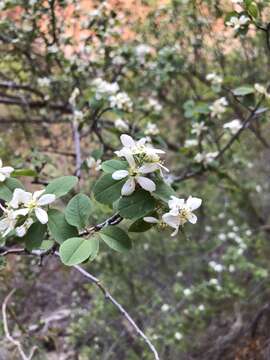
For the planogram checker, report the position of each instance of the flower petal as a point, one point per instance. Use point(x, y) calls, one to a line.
point(146, 183)
point(172, 221)
point(193, 203)
point(46, 199)
point(119, 174)
point(20, 197)
point(128, 187)
point(127, 141)
point(41, 215)
point(176, 202)
point(148, 168)
point(7, 170)
point(192, 218)
point(2, 177)
point(151, 220)
point(37, 194)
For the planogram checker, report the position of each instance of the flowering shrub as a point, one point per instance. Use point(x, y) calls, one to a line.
point(123, 129)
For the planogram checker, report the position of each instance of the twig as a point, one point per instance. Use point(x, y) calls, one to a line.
point(9, 336)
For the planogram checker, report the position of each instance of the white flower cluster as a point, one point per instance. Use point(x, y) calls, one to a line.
point(5, 171)
point(237, 22)
point(117, 99)
point(219, 107)
point(198, 128)
point(92, 163)
point(22, 211)
point(142, 159)
point(206, 158)
point(141, 51)
point(104, 88)
point(121, 101)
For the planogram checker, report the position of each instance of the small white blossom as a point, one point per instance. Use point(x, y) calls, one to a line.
point(104, 88)
point(135, 176)
point(262, 90)
point(92, 163)
point(5, 171)
point(154, 105)
point(218, 107)
point(141, 51)
point(215, 266)
point(151, 129)
point(44, 82)
point(214, 78)
point(234, 126)
point(121, 125)
point(121, 101)
point(198, 128)
point(179, 274)
point(187, 292)
point(165, 307)
point(231, 268)
point(181, 211)
point(201, 307)
point(237, 22)
point(222, 237)
point(206, 158)
point(151, 220)
point(178, 336)
point(190, 143)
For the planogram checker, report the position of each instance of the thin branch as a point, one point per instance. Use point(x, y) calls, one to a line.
point(7, 332)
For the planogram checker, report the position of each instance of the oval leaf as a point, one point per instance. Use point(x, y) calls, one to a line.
point(61, 186)
point(111, 166)
point(116, 238)
point(136, 205)
point(35, 236)
point(59, 228)
point(243, 90)
point(78, 211)
point(107, 190)
point(76, 250)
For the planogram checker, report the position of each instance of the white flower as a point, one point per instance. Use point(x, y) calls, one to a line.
point(262, 90)
point(151, 129)
point(237, 22)
point(121, 125)
point(121, 101)
point(234, 126)
point(191, 143)
point(205, 158)
point(214, 78)
point(141, 150)
point(230, 222)
point(187, 292)
point(92, 163)
point(215, 266)
point(165, 307)
point(178, 336)
point(218, 107)
point(213, 282)
point(201, 307)
point(5, 171)
point(141, 51)
point(135, 176)
point(179, 274)
point(104, 88)
point(154, 105)
point(181, 212)
point(222, 237)
point(44, 82)
point(9, 220)
point(32, 203)
point(231, 268)
point(198, 128)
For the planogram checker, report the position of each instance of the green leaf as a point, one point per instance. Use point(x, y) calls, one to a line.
point(5, 193)
point(59, 228)
point(243, 90)
point(140, 226)
point(24, 172)
point(35, 236)
point(78, 211)
point(110, 166)
point(136, 205)
point(61, 186)
point(13, 184)
point(163, 191)
point(116, 238)
point(76, 250)
point(253, 10)
point(107, 190)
